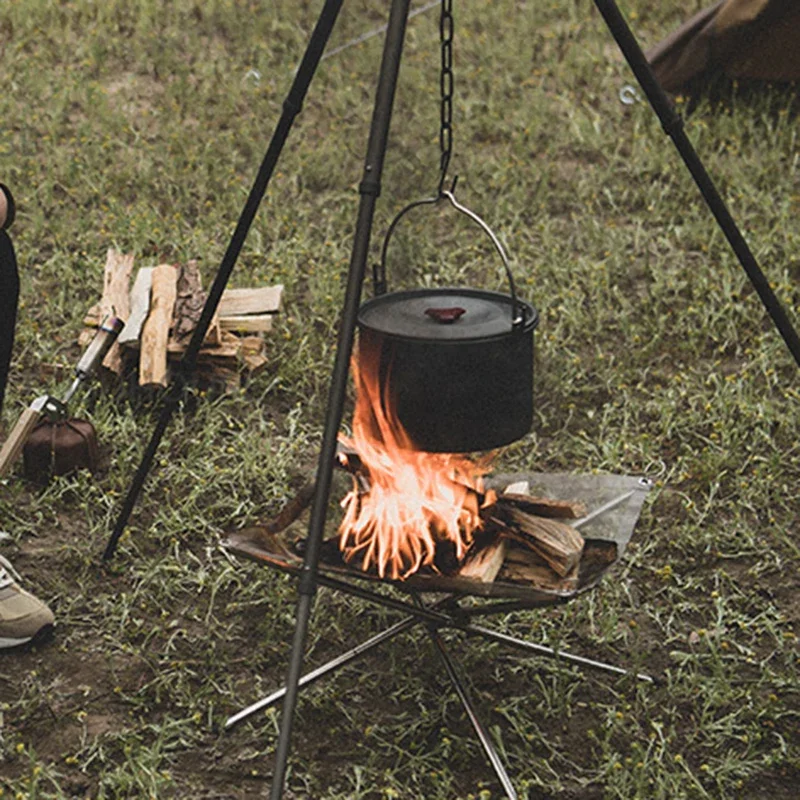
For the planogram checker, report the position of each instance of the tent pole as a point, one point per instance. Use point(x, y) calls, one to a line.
point(673, 126)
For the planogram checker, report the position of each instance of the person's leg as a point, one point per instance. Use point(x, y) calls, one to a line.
point(23, 617)
point(9, 288)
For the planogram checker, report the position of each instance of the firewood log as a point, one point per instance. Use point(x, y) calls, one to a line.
point(240, 302)
point(140, 307)
point(155, 333)
point(543, 506)
point(558, 544)
point(537, 574)
point(115, 301)
point(484, 562)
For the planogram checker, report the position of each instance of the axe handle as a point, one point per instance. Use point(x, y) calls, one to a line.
point(17, 438)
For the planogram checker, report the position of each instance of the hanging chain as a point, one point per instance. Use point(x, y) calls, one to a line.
point(446, 90)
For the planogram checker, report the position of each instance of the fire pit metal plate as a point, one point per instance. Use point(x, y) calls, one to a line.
point(614, 503)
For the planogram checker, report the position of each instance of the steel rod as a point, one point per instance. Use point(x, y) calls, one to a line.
point(542, 650)
point(291, 108)
point(673, 126)
point(480, 731)
point(325, 669)
point(448, 621)
point(369, 190)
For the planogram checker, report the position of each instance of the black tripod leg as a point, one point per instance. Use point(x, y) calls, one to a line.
point(673, 126)
point(291, 108)
point(369, 190)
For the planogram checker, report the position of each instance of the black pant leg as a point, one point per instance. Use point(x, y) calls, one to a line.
point(9, 297)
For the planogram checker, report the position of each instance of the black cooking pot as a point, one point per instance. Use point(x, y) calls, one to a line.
point(456, 364)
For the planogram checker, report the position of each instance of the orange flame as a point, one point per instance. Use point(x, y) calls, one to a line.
point(415, 498)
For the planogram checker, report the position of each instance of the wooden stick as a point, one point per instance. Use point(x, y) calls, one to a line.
point(13, 445)
point(293, 509)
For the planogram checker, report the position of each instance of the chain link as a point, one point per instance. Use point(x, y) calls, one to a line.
point(446, 90)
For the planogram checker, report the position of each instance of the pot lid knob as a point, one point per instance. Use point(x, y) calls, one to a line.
point(446, 316)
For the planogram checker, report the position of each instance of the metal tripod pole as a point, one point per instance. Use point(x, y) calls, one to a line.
point(673, 126)
point(291, 108)
point(369, 190)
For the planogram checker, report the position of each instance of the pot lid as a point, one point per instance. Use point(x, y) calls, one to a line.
point(444, 315)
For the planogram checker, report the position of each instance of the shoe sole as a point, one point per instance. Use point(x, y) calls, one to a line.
point(7, 643)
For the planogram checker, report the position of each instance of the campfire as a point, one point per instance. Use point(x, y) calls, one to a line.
point(410, 510)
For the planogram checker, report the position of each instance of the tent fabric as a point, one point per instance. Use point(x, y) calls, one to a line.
point(744, 39)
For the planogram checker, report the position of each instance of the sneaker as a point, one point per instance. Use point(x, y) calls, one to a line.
point(23, 617)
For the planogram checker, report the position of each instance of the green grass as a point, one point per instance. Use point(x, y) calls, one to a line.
point(140, 126)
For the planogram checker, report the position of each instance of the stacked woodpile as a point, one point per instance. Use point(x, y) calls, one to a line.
point(161, 306)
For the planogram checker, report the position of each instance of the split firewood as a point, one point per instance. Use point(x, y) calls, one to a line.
point(484, 562)
point(242, 302)
point(189, 304)
point(486, 557)
point(558, 544)
point(115, 302)
point(251, 352)
point(234, 342)
point(227, 347)
point(524, 566)
point(540, 506)
point(140, 307)
point(155, 333)
point(247, 323)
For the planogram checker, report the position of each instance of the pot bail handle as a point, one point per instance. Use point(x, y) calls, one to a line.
point(517, 312)
point(379, 271)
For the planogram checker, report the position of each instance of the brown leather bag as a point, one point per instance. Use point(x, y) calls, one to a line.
point(59, 448)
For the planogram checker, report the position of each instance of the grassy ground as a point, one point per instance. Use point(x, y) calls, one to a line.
point(140, 125)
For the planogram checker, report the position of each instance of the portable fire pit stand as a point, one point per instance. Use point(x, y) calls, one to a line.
point(369, 190)
point(615, 502)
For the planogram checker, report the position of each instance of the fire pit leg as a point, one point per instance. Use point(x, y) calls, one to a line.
point(331, 666)
point(483, 736)
point(542, 650)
